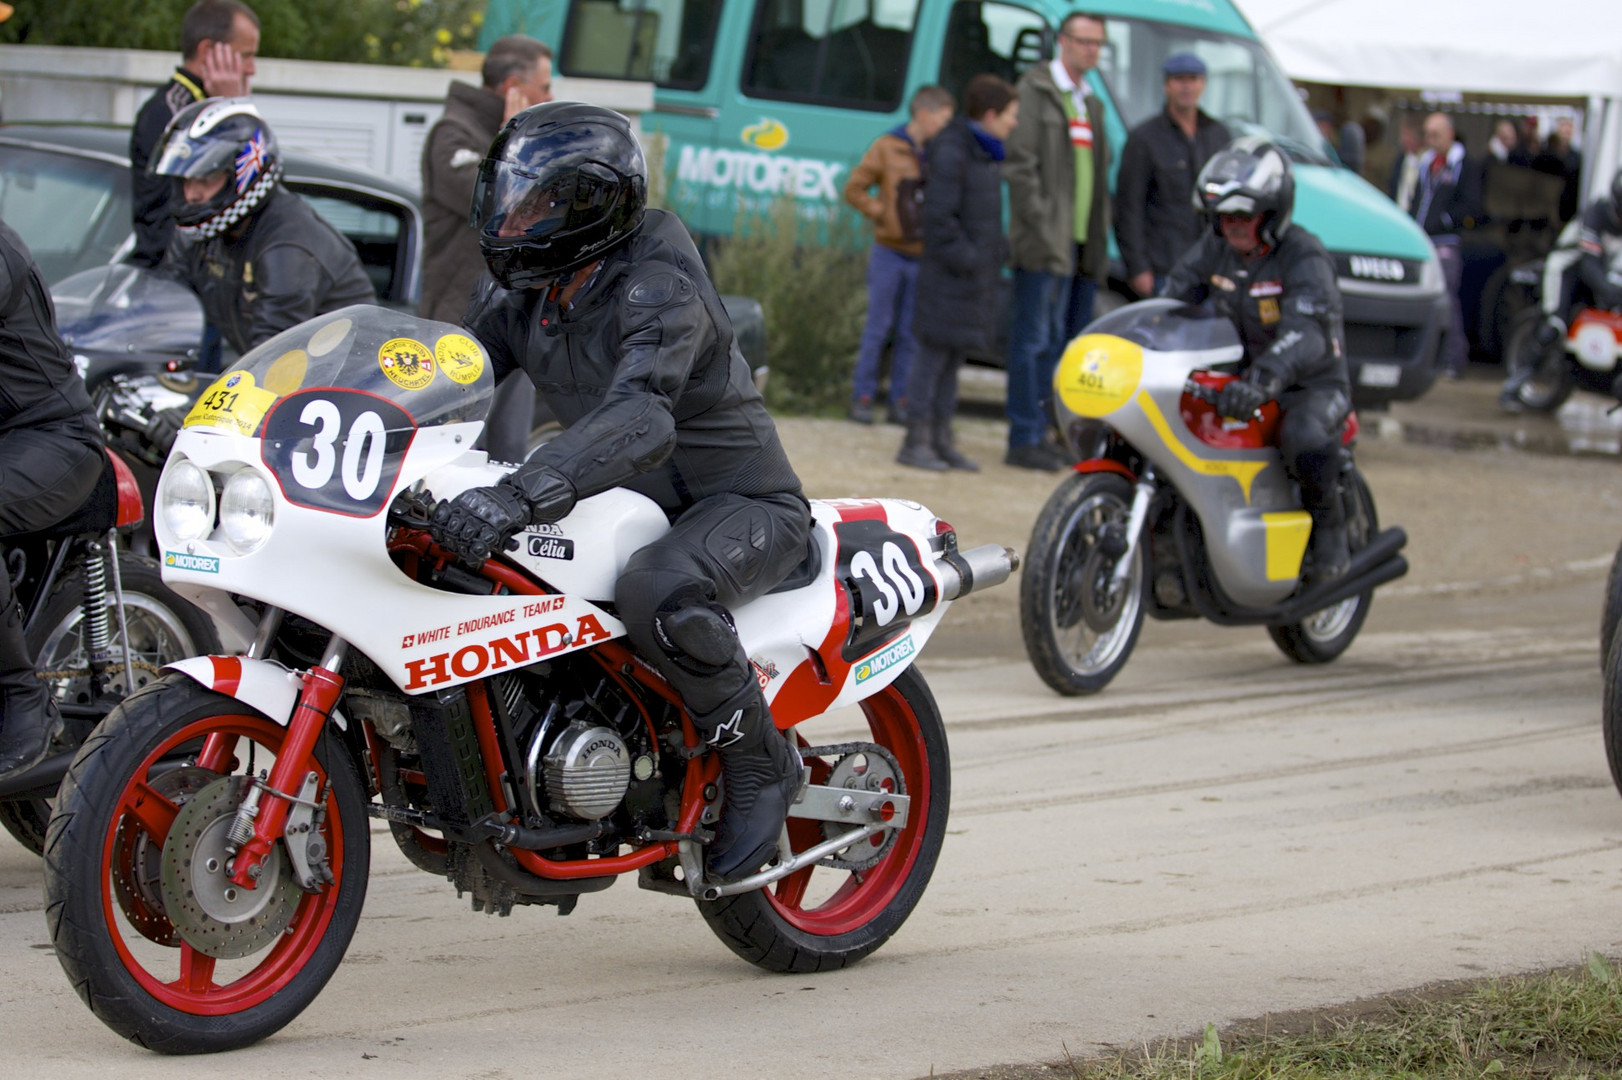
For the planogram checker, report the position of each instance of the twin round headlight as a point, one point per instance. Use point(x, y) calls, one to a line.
point(246, 509)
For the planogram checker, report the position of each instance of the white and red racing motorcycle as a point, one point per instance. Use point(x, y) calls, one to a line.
point(208, 855)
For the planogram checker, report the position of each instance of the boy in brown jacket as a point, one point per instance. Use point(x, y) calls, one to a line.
point(894, 164)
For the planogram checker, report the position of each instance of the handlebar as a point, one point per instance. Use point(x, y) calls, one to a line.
point(1209, 395)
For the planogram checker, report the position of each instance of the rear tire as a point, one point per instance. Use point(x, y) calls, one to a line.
point(1613, 608)
point(823, 918)
point(1077, 635)
point(1325, 634)
point(1551, 382)
point(145, 968)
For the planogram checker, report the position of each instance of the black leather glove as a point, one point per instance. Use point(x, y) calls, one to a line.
point(481, 521)
point(478, 522)
point(163, 428)
point(1241, 398)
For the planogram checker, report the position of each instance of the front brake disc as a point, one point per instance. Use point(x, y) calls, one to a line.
point(137, 860)
point(212, 913)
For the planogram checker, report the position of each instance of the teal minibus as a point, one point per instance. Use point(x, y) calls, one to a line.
point(757, 99)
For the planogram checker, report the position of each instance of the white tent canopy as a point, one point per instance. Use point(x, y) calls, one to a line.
point(1555, 48)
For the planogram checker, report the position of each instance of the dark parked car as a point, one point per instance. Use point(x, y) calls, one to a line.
point(66, 189)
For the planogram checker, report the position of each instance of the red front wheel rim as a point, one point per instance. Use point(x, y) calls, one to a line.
point(181, 977)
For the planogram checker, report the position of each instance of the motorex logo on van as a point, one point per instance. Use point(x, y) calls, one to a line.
point(759, 173)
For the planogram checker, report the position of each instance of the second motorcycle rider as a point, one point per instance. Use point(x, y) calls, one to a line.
point(608, 308)
point(1276, 283)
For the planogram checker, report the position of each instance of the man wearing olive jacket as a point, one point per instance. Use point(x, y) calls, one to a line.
point(1058, 233)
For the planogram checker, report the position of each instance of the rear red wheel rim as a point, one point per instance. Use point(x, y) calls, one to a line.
point(188, 984)
point(863, 894)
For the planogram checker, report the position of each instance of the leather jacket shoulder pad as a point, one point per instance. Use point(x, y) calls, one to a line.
point(659, 288)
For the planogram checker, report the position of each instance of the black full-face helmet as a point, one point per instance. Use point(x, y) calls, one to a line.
point(1250, 176)
point(219, 135)
point(1616, 195)
point(564, 183)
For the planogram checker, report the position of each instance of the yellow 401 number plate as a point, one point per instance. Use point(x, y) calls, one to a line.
point(233, 403)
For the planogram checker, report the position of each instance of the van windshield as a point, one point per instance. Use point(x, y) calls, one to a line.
point(1245, 89)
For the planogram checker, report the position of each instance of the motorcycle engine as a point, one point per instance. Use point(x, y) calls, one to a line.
point(587, 771)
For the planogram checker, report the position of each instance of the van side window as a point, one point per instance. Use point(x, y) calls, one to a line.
point(983, 36)
point(669, 42)
point(850, 53)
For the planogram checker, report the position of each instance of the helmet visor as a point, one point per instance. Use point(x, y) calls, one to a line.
point(192, 158)
point(512, 201)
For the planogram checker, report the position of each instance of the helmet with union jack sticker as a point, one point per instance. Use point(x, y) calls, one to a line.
point(222, 140)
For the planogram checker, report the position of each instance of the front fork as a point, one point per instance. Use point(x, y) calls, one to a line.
point(1141, 496)
point(262, 819)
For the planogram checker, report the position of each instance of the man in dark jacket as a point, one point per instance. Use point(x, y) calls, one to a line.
point(963, 253)
point(1155, 217)
point(259, 258)
point(517, 73)
point(1058, 228)
point(50, 458)
point(1447, 203)
point(608, 308)
point(218, 42)
point(1276, 282)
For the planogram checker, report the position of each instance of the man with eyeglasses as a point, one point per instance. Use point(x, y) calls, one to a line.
point(1058, 174)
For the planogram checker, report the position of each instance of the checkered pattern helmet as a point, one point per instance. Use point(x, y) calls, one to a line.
point(220, 135)
point(1249, 176)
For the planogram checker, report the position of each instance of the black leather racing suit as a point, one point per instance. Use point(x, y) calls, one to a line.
point(656, 397)
point(281, 266)
point(1287, 308)
point(1579, 269)
point(50, 444)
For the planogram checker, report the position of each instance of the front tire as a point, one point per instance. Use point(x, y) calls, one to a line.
point(1611, 709)
point(174, 975)
point(1328, 632)
point(1551, 382)
point(1613, 609)
point(163, 628)
point(823, 918)
point(1078, 631)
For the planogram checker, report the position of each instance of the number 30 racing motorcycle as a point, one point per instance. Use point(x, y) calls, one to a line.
point(208, 855)
point(1177, 512)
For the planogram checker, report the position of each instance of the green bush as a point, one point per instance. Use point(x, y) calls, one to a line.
point(809, 275)
point(415, 33)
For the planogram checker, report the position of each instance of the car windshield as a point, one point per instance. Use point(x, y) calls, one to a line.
point(432, 370)
point(73, 212)
point(1244, 88)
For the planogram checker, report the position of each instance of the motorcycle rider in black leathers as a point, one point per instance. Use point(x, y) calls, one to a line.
point(50, 459)
point(608, 309)
point(1577, 273)
point(257, 255)
point(1276, 282)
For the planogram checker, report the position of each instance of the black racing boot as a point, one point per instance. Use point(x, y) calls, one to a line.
point(761, 772)
point(918, 449)
point(28, 716)
point(1328, 554)
point(946, 449)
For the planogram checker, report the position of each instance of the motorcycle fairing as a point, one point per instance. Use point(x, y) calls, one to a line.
point(1232, 490)
point(267, 687)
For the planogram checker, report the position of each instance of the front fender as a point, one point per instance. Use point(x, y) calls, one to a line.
point(259, 684)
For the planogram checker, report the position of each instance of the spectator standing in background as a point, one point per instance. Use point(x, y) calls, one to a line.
point(218, 42)
point(1404, 182)
point(895, 164)
point(1155, 218)
point(1561, 158)
point(1505, 145)
point(1347, 138)
point(517, 73)
point(1447, 203)
point(1058, 230)
point(964, 250)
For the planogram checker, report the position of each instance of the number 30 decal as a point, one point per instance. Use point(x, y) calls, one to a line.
point(888, 585)
point(337, 450)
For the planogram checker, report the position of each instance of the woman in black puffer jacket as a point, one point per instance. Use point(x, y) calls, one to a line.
point(964, 250)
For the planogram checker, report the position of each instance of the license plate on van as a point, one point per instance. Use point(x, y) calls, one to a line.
point(1380, 374)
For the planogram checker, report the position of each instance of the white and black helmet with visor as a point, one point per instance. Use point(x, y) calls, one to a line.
point(1251, 176)
point(219, 135)
point(564, 183)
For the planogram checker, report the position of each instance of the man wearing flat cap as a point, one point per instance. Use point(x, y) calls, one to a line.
point(1155, 218)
